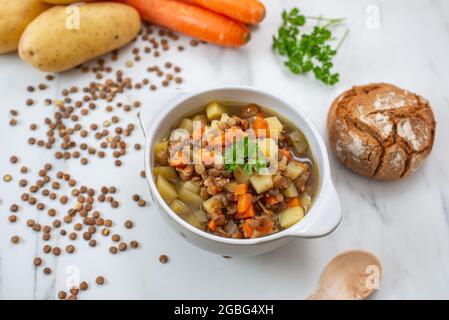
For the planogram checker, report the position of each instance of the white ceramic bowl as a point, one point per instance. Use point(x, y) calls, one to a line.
point(322, 218)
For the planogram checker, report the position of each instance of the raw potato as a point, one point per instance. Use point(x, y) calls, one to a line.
point(166, 189)
point(290, 217)
point(261, 183)
point(214, 111)
point(50, 46)
point(15, 15)
point(65, 1)
point(167, 172)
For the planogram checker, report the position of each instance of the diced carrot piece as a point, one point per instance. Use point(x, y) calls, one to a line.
point(241, 189)
point(243, 202)
point(286, 153)
point(212, 225)
point(267, 228)
point(249, 213)
point(271, 200)
point(259, 125)
point(178, 160)
point(247, 230)
point(294, 202)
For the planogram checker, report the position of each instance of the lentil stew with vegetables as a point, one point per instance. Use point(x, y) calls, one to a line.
point(236, 171)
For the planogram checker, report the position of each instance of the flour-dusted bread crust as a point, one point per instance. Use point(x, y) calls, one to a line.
point(381, 131)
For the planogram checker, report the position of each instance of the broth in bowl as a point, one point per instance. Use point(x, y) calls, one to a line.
point(236, 171)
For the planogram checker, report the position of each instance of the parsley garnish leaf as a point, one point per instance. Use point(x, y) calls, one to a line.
point(244, 153)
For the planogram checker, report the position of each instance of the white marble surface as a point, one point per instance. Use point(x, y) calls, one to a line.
point(405, 223)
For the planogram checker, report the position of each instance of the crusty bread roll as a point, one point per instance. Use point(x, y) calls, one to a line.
point(381, 131)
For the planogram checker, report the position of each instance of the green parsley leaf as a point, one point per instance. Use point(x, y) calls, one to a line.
point(307, 52)
point(244, 154)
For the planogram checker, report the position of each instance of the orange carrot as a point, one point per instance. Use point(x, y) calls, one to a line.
point(294, 202)
point(266, 228)
point(194, 21)
point(178, 160)
point(247, 230)
point(244, 202)
point(247, 11)
point(241, 189)
point(212, 225)
point(260, 124)
point(249, 213)
point(286, 153)
point(271, 200)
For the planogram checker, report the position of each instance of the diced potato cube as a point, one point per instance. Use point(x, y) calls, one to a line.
point(261, 183)
point(224, 117)
point(167, 172)
point(291, 216)
point(161, 146)
point(230, 187)
point(190, 186)
point(214, 110)
point(291, 191)
point(178, 207)
point(268, 147)
point(186, 124)
point(190, 197)
point(306, 201)
point(241, 176)
point(299, 141)
point(212, 203)
point(179, 135)
point(166, 189)
point(197, 219)
point(200, 117)
point(215, 124)
point(295, 169)
point(274, 124)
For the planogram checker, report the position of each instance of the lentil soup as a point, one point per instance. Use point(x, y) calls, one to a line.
point(236, 170)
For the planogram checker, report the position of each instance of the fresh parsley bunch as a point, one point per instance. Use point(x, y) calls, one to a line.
point(307, 52)
point(244, 153)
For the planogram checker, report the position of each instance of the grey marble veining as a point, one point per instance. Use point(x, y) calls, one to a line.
point(405, 223)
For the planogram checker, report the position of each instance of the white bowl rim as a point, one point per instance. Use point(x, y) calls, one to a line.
point(324, 170)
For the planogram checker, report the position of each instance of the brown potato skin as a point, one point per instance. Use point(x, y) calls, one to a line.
point(50, 46)
point(381, 131)
point(15, 15)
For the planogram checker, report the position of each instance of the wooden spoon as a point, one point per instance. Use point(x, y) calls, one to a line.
point(352, 275)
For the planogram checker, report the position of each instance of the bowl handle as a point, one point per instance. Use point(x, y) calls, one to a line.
point(325, 217)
